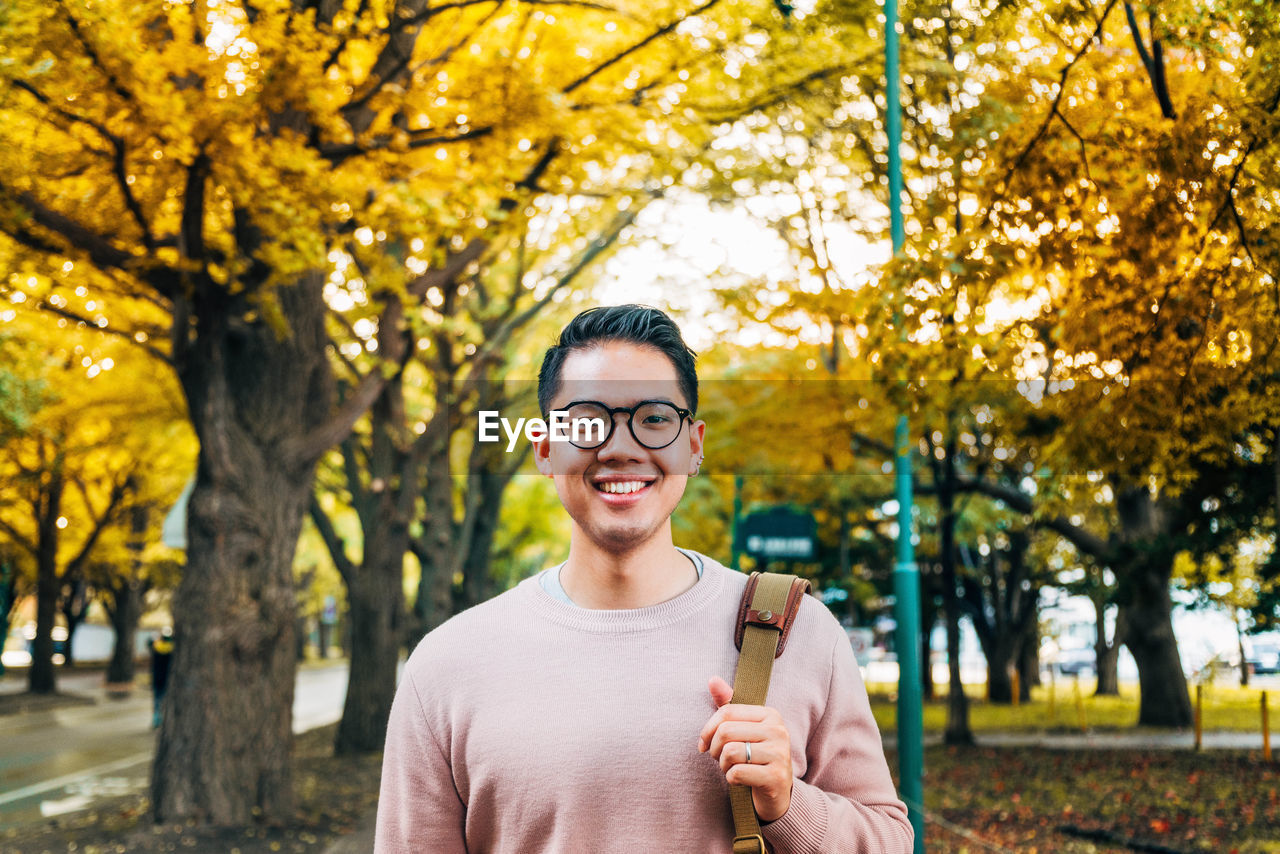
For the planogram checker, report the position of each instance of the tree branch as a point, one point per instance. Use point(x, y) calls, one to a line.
point(656, 34)
point(335, 545)
point(339, 154)
point(18, 539)
point(45, 305)
point(1053, 110)
point(305, 449)
point(101, 522)
point(393, 60)
point(98, 247)
point(1085, 541)
point(1153, 64)
point(1084, 153)
point(93, 54)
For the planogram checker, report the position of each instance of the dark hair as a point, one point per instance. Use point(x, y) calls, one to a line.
point(633, 324)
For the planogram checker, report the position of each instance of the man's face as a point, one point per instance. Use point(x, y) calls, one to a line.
point(598, 487)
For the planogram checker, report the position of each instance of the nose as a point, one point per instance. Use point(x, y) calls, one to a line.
point(621, 445)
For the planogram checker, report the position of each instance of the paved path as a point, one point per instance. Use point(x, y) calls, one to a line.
point(60, 760)
point(1179, 740)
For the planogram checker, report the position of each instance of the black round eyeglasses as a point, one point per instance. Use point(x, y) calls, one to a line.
point(654, 424)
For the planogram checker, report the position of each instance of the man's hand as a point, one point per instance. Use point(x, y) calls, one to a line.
point(727, 734)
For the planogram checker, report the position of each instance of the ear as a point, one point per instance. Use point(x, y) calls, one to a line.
point(542, 456)
point(697, 432)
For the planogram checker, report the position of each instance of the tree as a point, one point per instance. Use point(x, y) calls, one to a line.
point(202, 166)
point(81, 458)
point(1002, 603)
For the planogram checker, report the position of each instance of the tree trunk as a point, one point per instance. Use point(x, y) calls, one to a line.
point(928, 619)
point(957, 729)
point(1165, 701)
point(1147, 559)
point(1029, 650)
point(260, 401)
point(1108, 654)
point(40, 678)
point(1000, 659)
point(8, 595)
point(126, 611)
point(1028, 663)
point(1002, 612)
point(1244, 665)
point(75, 607)
point(375, 601)
point(476, 572)
point(436, 548)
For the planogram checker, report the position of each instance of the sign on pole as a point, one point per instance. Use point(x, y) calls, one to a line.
point(780, 533)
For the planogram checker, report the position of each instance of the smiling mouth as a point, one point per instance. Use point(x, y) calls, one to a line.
point(621, 487)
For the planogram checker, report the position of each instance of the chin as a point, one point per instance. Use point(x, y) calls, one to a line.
point(620, 540)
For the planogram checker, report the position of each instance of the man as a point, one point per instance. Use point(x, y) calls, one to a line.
point(586, 710)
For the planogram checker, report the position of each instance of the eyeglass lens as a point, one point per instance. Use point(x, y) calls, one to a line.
point(654, 425)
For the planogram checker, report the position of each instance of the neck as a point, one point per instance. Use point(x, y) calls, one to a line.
point(644, 576)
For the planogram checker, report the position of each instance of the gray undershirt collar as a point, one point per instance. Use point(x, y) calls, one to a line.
point(550, 578)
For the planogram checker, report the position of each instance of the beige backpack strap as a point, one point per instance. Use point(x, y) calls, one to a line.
point(769, 607)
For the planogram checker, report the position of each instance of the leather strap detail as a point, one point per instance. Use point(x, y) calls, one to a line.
point(782, 621)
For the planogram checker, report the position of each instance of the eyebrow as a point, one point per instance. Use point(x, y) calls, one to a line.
point(637, 403)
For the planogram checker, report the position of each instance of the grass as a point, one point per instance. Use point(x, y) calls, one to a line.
point(1068, 705)
point(1033, 801)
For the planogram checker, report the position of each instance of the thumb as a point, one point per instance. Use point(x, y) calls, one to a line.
point(721, 691)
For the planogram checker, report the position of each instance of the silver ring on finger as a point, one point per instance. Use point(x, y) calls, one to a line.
point(748, 752)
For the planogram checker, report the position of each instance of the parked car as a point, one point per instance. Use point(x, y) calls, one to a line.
point(1263, 656)
point(1077, 661)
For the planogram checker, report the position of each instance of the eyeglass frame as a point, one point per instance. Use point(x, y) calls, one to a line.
point(685, 414)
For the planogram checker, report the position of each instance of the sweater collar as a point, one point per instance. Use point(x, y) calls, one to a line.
point(621, 621)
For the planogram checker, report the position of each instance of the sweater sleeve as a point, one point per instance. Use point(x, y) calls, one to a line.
point(418, 805)
point(846, 802)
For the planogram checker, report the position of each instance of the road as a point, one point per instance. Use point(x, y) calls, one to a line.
point(62, 760)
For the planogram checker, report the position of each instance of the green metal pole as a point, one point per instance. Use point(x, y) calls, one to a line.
point(906, 576)
point(906, 588)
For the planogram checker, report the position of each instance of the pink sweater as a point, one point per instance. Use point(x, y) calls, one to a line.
point(528, 725)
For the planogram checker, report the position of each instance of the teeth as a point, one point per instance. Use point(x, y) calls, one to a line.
point(622, 487)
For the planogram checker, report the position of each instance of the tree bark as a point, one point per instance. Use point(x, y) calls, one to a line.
point(489, 487)
point(1107, 654)
point(8, 595)
point(435, 548)
point(929, 691)
point(1244, 665)
point(1001, 611)
point(125, 611)
point(76, 597)
point(1029, 653)
point(375, 601)
point(1165, 701)
point(260, 401)
point(40, 678)
point(1000, 672)
point(957, 729)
